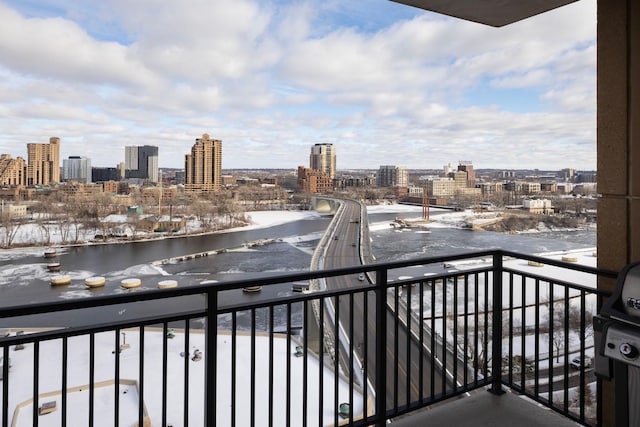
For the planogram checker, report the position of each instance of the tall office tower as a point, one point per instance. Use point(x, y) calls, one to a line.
point(323, 158)
point(467, 166)
point(141, 162)
point(76, 168)
point(203, 167)
point(121, 171)
point(392, 176)
point(12, 171)
point(43, 162)
point(131, 158)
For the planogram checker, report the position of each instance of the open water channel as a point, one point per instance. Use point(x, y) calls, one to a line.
point(24, 278)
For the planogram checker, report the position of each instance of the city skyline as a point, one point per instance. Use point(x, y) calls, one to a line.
point(276, 77)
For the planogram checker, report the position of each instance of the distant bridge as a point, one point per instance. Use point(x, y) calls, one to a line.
point(451, 208)
point(325, 204)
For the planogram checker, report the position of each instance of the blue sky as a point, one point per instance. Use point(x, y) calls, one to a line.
point(386, 83)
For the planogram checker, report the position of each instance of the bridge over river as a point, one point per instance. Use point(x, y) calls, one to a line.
point(346, 243)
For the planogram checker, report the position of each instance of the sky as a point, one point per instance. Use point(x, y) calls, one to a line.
point(386, 83)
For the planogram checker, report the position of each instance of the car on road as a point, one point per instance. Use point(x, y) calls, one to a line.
point(361, 277)
point(577, 363)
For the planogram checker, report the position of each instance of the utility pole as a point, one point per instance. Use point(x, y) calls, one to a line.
point(425, 202)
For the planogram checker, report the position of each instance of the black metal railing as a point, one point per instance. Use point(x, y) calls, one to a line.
point(348, 352)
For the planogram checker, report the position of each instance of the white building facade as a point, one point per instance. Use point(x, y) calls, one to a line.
point(76, 168)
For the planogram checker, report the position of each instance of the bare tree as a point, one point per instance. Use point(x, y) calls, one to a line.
point(478, 338)
point(9, 227)
point(562, 324)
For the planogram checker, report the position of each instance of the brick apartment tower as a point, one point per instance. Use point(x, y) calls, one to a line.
point(12, 170)
point(203, 167)
point(43, 162)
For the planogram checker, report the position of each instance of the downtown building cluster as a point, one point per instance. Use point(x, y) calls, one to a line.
point(203, 167)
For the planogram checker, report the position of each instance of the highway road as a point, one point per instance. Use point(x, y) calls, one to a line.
point(344, 251)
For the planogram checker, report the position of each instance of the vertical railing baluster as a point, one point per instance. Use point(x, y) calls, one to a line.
point(351, 360)
point(496, 352)
point(454, 326)
point(336, 360)
point(253, 399)
point(141, 377)
point(551, 340)
point(65, 372)
point(234, 366)
point(510, 362)
point(92, 375)
point(305, 361)
point(476, 335)
point(211, 351)
point(487, 308)
point(523, 333)
point(396, 346)
point(566, 349)
point(271, 366)
point(421, 352)
point(381, 338)
point(443, 374)
point(186, 372)
point(288, 395)
point(365, 356)
point(165, 354)
point(465, 331)
point(5, 386)
point(36, 380)
point(536, 343)
point(583, 384)
point(432, 373)
point(320, 362)
point(116, 382)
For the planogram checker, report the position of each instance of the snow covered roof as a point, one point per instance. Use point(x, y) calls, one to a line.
point(50, 383)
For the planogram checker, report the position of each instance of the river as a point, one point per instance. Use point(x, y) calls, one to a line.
point(24, 278)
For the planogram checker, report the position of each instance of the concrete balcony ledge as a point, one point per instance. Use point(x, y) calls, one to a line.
point(482, 408)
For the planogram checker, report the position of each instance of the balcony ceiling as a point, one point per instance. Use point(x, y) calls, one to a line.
point(491, 12)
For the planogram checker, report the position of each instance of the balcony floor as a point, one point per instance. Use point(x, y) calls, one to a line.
point(482, 408)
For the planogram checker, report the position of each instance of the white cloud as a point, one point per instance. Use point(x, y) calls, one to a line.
point(281, 76)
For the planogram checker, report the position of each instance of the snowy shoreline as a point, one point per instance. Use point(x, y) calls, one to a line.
point(259, 219)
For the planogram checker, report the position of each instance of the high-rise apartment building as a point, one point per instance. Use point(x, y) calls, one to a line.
point(76, 168)
point(12, 171)
point(323, 159)
point(141, 162)
point(43, 162)
point(392, 176)
point(203, 167)
point(467, 166)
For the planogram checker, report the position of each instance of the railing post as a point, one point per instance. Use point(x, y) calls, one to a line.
point(210, 353)
point(496, 329)
point(381, 344)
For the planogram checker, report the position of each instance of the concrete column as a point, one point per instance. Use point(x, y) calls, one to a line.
point(618, 145)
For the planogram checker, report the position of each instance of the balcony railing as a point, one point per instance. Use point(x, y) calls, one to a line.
point(347, 352)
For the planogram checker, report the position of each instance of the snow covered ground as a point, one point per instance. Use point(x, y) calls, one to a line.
point(50, 383)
